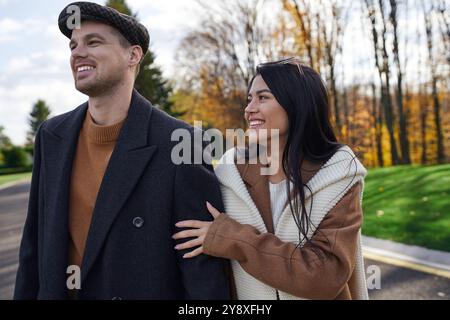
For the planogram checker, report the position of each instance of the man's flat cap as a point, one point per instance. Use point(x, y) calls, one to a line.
point(127, 25)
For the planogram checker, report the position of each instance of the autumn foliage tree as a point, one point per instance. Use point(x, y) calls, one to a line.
point(392, 113)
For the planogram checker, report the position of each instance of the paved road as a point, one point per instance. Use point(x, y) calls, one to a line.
point(13, 206)
point(396, 283)
point(404, 284)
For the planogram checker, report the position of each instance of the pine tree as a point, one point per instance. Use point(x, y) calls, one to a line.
point(39, 113)
point(120, 5)
point(150, 81)
point(152, 85)
point(5, 141)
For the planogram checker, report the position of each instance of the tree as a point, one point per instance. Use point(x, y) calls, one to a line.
point(5, 141)
point(150, 81)
point(318, 33)
point(218, 58)
point(16, 157)
point(386, 113)
point(377, 119)
point(39, 113)
point(300, 11)
point(404, 142)
point(434, 80)
point(382, 64)
point(121, 6)
point(444, 26)
point(152, 85)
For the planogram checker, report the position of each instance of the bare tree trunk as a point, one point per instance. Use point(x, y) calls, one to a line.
point(388, 114)
point(404, 142)
point(437, 122)
point(354, 101)
point(423, 127)
point(318, 42)
point(333, 46)
point(434, 79)
point(423, 105)
point(444, 27)
point(346, 114)
point(335, 100)
point(383, 73)
point(332, 81)
point(305, 25)
point(377, 120)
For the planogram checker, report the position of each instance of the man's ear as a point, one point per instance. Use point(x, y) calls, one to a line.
point(136, 55)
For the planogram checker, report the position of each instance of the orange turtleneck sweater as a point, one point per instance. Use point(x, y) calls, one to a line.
point(95, 146)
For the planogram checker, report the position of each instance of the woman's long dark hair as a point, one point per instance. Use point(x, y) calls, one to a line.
point(301, 92)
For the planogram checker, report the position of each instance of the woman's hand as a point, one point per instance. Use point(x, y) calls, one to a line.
point(200, 228)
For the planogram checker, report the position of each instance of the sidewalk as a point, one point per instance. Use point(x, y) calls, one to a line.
point(13, 183)
point(414, 257)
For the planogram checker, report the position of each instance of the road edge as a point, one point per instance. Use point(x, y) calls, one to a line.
point(13, 183)
point(412, 257)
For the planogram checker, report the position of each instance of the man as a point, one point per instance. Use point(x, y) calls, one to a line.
point(105, 195)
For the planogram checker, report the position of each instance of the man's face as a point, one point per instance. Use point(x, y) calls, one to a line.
point(98, 61)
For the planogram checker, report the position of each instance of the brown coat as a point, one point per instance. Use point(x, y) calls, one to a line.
point(281, 265)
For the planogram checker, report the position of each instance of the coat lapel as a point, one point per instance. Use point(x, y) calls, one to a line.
point(258, 188)
point(59, 149)
point(229, 177)
point(128, 160)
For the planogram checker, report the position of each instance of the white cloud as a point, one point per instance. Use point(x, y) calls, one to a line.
point(16, 103)
point(41, 71)
point(8, 25)
point(4, 2)
point(167, 22)
point(8, 28)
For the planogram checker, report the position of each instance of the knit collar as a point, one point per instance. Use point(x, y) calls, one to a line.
point(342, 164)
point(258, 186)
point(251, 173)
point(101, 134)
point(342, 167)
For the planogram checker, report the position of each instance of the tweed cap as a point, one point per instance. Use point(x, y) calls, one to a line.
point(128, 26)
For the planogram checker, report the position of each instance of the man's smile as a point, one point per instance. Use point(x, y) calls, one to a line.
point(84, 70)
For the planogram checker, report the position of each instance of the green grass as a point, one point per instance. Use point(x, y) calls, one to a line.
point(409, 204)
point(14, 177)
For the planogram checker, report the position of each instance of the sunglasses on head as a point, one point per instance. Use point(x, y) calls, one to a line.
point(292, 61)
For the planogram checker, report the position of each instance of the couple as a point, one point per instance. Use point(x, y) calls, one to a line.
point(107, 200)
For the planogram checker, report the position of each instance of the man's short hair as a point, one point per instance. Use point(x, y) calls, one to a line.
point(126, 44)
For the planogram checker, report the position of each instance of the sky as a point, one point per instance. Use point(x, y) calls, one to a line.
point(34, 55)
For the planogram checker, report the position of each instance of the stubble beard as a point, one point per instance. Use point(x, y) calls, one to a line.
point(99, 86)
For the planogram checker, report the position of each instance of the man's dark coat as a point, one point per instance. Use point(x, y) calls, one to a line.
point(129, 252)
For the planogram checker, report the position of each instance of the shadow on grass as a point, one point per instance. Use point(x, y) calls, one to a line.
point(413, 206)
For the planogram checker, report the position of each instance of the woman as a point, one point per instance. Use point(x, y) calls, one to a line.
point(294, 234)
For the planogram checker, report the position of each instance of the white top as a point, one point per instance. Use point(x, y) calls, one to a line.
point(278, 199)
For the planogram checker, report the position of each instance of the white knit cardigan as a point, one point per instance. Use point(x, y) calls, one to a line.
point(328, 186)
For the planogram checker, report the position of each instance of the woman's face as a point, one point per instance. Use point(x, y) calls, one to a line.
point(264, 112)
